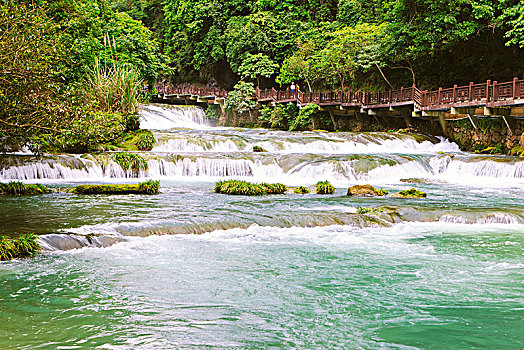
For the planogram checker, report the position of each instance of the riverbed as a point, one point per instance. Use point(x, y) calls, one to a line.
point(189, 268)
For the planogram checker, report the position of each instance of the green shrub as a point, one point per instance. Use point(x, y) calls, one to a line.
point(213, 112)
point(324, 187)
point(23, 246)
point(244, 188)
point(17, 188)
point(145, 140)
point(148, 187)
point(130, 161)
point(301, 190)
point(304, 119)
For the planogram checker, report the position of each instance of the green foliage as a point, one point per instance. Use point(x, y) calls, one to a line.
point(213, 112)
point(24, 246)
point(244, 188)
point(16, 188)
point(257, 66)
point(130, 161)
point(242, 98)
point(324, 187)
point(517, 151)
point(304, 119)
point(279, 116)
point(145, 140)
point(301, 190)
point(148, 187)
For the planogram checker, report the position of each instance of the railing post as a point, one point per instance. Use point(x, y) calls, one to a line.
point(413, 92)
point(488, 83)
point(455, 93)
point(515, 93)
point(495, 94)
point(439, 96)
point(470, 92)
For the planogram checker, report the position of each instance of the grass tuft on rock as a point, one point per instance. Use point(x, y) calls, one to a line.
point(24, 246)
point(411, 193)
point(244, 188)
point(324, 187)
point(17, 188)
point(148, 187)
point(301, 190)
point(367, 210)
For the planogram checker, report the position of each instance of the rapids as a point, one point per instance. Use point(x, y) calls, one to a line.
point(189, 268)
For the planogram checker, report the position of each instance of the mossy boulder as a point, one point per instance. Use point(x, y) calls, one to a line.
point(365, 191)
point(259, 149)
point(411, 193)
point(421, 181)
point(148, 187)
point(244, 188)
point(17, 188)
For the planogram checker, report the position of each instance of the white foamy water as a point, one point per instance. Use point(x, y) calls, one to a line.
point(155, 117)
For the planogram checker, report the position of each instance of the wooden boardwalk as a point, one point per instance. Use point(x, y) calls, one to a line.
point(489, 94)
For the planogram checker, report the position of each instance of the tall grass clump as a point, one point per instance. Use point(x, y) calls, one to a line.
point(130, 161)
point(324, 187)
point(116, 88)
point(23, 246)
point(17, 188)
point(244, 188)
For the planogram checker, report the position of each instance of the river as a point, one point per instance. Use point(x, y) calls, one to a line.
point(188, 268)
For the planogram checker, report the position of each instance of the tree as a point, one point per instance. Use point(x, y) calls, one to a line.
point(242, 98)
point(256, 66)
point(31, 62)
point(299, 66)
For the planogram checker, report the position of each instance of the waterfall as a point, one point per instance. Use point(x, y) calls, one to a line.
point(163, 117)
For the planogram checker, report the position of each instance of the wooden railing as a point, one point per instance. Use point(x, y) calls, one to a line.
point(485, 94)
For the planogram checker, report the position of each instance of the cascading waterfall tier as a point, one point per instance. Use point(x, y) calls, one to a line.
point(163, 117)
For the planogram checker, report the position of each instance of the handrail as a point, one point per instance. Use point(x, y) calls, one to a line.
point(483, 94)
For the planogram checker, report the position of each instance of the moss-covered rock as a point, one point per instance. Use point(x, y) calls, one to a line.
point(365, 191)
point(324, 187)
point(259, 149)
point(148, 187)
point(17, 188)
point(244, 188)
point(421, 181)
point(411, 193)
point(23, 246)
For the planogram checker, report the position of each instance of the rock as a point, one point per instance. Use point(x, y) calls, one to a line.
point(365, 191)
point(258, 149)
point(411, 193)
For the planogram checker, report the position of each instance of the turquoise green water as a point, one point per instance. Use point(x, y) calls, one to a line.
point(414, 286)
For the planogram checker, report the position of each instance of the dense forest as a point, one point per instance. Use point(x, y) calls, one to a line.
point(72, 71)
